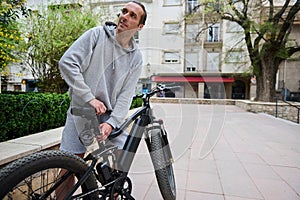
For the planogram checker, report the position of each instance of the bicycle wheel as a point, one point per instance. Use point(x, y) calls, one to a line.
point(34, 176)
point(163, 167)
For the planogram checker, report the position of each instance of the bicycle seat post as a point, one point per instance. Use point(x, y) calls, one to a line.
point(97, 132)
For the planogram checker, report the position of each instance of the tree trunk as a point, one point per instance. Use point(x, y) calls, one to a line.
point(266, 79)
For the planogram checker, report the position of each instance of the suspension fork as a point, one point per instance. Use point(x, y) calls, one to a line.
point(158, 124)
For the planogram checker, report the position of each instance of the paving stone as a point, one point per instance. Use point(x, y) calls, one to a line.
point(220, 153)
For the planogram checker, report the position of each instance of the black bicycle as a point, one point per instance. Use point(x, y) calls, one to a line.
point(103, 173)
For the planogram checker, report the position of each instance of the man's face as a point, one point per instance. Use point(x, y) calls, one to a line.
point(129, 18)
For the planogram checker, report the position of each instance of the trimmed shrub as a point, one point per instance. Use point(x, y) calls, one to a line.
point(136, 102)
point(27, 113)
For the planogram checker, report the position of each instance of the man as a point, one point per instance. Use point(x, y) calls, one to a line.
point(102, 68)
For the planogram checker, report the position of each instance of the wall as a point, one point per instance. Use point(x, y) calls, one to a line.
point(284, 111)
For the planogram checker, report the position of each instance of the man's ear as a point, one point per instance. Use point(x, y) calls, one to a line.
point(140, 27)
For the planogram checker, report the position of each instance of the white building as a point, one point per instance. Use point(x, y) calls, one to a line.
point(211, 64)
point(199, 63)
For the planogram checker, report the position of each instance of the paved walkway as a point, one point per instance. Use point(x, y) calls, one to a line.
point(223, 152)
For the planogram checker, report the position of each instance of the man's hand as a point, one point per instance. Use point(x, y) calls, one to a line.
point(106, 129)
point(99, 106)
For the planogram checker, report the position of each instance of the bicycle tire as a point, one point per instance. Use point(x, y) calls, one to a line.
point(20, 179)
point(163, 168)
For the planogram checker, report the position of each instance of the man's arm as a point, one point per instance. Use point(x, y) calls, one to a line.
point(75, 61)
point(124, 99)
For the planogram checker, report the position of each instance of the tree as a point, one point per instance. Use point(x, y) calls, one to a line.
point(266, 29)
point(10, 36)
point(49, 33)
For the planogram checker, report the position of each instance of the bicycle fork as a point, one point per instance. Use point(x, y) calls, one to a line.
point(158, 125)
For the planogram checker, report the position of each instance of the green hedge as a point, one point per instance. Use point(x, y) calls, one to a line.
point(136, 103)
point(27, 113)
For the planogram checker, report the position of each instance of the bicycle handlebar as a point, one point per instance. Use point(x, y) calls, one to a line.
point(157, 89)
point(90, 113)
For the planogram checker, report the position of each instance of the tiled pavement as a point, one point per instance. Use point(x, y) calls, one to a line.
point(224, 153)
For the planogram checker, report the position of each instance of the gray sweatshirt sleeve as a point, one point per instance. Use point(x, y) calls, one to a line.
point(124, 99)
point(75, 61)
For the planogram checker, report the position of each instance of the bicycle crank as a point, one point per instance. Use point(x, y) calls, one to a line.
point(122, 189)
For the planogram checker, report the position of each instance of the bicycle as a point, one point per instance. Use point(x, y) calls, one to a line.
point(103, 173)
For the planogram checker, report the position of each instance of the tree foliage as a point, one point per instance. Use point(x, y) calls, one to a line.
point(10, 36)
point(49, 33)
point(266, 28)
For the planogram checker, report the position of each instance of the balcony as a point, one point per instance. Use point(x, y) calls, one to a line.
point(213, 44)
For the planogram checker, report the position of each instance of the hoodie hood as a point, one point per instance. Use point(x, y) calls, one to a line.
point(110, 30)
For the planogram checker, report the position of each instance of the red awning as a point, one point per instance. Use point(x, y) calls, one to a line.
point(193, 79)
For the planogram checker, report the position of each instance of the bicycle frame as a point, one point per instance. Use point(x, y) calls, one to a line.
point(140, 119)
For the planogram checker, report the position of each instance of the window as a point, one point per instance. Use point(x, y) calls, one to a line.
point(17, 88)
point(191, 5)
point(172, 2)
point(214, 91)
point(191, 33)
point(212, 61)
point(191, 61)
point(235, 56)
point(191, 69)
point(238, 90)
point(171, 28)
point(171, 57)
point(215, 5)
point(213, 33)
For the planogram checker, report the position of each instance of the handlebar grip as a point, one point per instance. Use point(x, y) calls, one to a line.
point(86, 112)
point(115, 133)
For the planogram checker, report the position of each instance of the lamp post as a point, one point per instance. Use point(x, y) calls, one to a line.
point(284, 83)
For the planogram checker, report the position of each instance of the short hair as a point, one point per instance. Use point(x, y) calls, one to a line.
point(144, 16)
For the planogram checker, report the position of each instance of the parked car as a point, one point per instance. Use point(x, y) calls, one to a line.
point(294, 96)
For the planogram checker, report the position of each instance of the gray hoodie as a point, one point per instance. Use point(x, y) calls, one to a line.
point(96, 66)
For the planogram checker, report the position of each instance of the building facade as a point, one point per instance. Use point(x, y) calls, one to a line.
point(212, 61)
point(185, 47)
point(194, 53)
point(288, 76)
